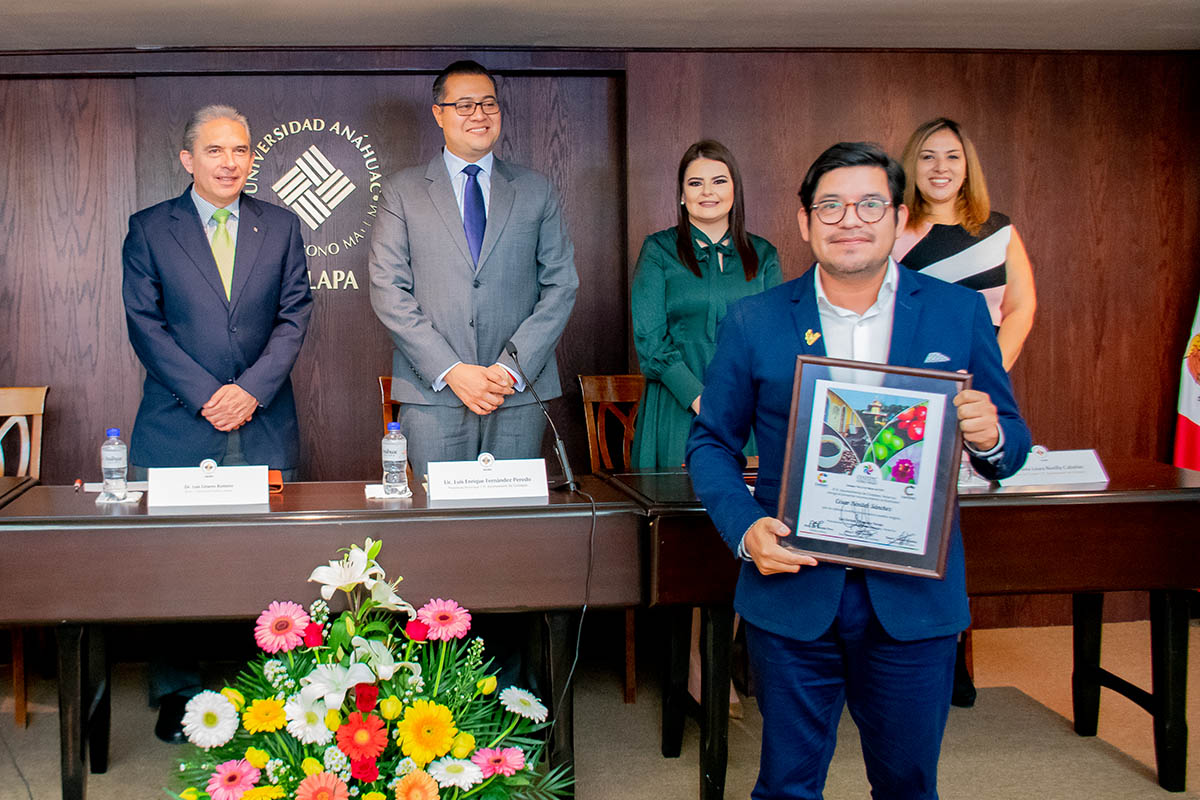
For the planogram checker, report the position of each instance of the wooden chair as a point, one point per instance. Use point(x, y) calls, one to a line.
point(391, 409)
point(21, 410)
point(618, 397)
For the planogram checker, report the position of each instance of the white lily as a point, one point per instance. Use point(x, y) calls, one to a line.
point(355, 568)
point(385, 595)
point(330, 682)
point(415, 668)
point(376, 655)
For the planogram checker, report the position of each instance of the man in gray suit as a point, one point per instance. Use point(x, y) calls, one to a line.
point(471, 252)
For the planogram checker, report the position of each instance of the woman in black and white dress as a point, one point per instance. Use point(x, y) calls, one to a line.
point(954, 235)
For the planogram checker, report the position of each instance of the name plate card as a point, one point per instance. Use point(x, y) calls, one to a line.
point(488, 478)
point(207, 485)
point(1056, 467)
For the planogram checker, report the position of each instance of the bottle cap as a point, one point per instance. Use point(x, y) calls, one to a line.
point(393, 426)
point(112, 432)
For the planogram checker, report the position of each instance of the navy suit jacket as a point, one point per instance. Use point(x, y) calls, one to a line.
point(748, 385)
point(192, 340)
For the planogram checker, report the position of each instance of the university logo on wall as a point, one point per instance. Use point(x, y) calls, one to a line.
point(329, 174)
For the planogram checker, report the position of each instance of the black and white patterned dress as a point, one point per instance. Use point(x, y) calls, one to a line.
point(977, 262)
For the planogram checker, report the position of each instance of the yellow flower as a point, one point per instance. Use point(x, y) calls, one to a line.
point(263, 793)
point(371, 796)
point(257, 758)
point(333, 719)
point(234, 696)
point(486, 685)
point(464, 743)
point(264, 716)
point(390, 707)
point(311, 766)
point(426, 732)
point(190, 793)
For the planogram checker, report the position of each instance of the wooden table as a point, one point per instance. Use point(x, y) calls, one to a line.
point(80, 565)
point(12, 487)
point(1140, 532)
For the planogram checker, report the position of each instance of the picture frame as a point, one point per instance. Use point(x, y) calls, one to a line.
point(871, 464)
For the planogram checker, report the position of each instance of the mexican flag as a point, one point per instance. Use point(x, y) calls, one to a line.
point(1187, 430)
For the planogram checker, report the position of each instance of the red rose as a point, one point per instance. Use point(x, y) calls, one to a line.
point(314, 636)
point(364, 769)
point(416, 630)
point(365, 696)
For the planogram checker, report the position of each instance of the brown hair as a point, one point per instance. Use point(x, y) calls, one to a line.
point(972, 206)
point(714, 150)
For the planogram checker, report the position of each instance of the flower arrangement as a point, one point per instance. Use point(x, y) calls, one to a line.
point(379, 701)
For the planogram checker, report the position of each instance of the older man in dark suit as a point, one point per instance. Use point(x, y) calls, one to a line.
point(217, 301)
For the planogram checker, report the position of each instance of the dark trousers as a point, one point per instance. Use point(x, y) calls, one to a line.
point(898, 694)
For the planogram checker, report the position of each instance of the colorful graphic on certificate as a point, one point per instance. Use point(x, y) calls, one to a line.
point(871, 473)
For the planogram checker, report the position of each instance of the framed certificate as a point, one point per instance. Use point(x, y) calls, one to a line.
point(871, 464)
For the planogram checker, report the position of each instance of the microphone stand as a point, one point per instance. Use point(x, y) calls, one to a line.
point(560, 449)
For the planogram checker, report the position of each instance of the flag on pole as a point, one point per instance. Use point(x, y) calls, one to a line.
point(1187, 430)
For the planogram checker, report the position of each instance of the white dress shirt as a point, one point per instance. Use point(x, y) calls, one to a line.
point(206, 209)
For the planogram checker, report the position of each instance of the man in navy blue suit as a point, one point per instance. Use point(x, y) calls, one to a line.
point(821, 636)
point(217, 302)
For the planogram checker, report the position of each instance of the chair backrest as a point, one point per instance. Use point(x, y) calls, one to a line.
point(619, 396)
point(390, 408)
point(21, 409)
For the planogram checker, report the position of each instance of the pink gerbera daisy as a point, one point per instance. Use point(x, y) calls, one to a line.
point(499, 761)
point(232, 779)
point(446, 619)
point(281, 627)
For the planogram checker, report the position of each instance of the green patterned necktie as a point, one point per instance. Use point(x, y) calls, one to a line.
point(222, 249)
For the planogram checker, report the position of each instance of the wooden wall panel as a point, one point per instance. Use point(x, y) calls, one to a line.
point(1090, 153)
point(66, 191)
point(1097, 172)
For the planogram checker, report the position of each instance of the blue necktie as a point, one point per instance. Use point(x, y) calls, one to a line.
point(474, 215)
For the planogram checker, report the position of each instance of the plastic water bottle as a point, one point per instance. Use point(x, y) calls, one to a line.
point(395, 462)
point(114, 459)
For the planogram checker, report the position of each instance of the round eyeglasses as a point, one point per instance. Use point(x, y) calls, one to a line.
point(869, 210)
point(465, 108)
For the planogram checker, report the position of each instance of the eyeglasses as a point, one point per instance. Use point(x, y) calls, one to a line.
point(465, 108)
point(869, 210)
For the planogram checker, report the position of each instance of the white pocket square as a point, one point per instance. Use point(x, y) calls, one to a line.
point(936, 358)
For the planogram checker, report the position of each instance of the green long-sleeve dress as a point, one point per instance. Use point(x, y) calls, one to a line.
point(675, 317)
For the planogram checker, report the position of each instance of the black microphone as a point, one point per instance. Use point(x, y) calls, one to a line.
point(559, 447)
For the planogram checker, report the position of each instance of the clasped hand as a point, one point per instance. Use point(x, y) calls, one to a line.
point(482, 389)
point(229, 408)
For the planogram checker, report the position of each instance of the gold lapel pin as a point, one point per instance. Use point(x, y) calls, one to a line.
point(811, 336)
point(256, 229)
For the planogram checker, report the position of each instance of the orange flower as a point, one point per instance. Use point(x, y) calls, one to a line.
point(418, 785)
point(322, 786)
point(363, 736)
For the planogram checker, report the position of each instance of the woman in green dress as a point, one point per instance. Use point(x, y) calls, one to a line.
point(686, 277)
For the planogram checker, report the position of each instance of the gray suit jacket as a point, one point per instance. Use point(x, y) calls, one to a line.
point(439, 309)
